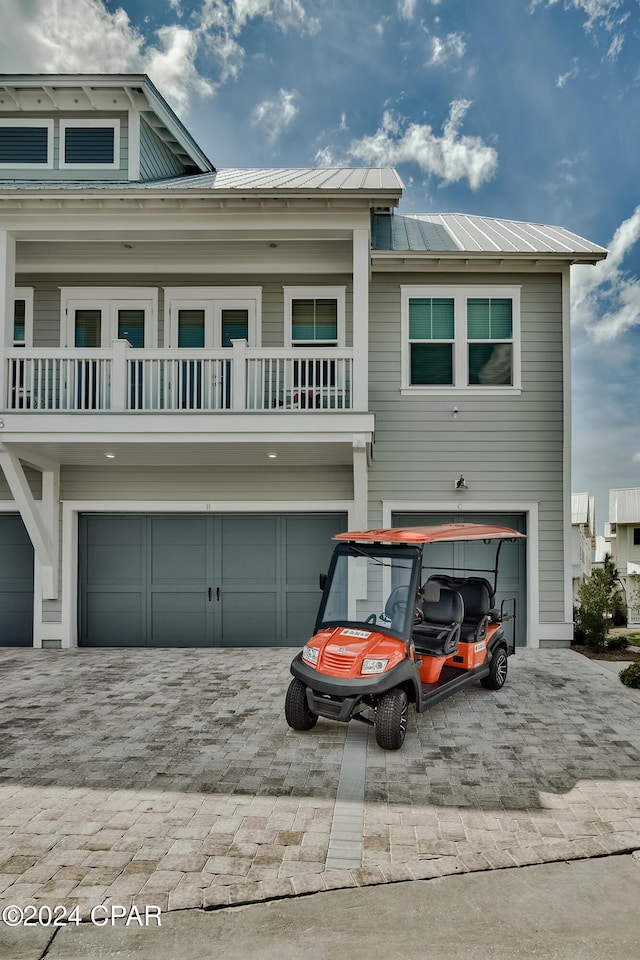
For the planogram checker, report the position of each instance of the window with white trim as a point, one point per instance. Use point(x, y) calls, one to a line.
point(26, 144)
point(93, 317)
point(87, 144)
point(212, 316)
point(314, 316)
point(23, 317)
point(460, 338)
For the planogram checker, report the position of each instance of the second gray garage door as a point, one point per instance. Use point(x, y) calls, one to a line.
point(467, 557)
point(197, 581)
point(16, 583)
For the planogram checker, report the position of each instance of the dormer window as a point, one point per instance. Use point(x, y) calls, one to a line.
point(26, 144)
point(90, 144)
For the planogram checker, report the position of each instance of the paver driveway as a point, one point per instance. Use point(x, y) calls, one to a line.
point(169, 777)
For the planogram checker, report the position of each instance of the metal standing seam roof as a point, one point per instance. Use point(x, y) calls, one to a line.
point(287, 179)
point(583, 510)
point(464, 233)
point(624, 505)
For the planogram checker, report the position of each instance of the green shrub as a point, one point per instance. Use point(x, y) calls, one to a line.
point(617, 643)
point(619, 616)
point(631, 676)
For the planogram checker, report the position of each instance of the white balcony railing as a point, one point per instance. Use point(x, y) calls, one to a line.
point(122, 378)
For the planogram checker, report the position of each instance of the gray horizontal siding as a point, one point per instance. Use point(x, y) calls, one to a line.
point(206, 483)
point(156, 159)
point(34, 479)
point(509, 448)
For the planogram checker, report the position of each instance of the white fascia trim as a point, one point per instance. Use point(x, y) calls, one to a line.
point(133, 144)
point(531, 511)
point(21, 122)
point(459, 293)
point(71, 509)
point(566, 442)
point(90, 122)
point(314, 292)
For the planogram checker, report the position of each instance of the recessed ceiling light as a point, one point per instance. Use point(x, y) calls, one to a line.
point(272, 456)
point(128, 246)
point(110, 456)
point(273, 244)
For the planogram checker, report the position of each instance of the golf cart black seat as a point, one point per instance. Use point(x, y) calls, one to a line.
point(396, 605)
point(438, 636)
point(477, 596)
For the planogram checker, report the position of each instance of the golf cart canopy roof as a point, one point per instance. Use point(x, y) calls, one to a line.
point(441, 533)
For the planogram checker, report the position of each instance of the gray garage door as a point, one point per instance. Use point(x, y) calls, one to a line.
point(199, 581)
point(16, 583)
point(512, 581)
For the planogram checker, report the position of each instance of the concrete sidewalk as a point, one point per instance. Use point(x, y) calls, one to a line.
point(170, 778)
point(581, 910)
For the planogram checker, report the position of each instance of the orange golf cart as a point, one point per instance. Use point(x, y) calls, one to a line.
point(390, 633)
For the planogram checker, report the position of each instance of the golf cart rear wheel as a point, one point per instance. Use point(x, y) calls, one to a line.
point(497, 670)
point(391, 719)
point(296, 708)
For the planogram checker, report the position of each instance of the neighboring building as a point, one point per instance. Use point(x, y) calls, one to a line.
point(204, 375)
point(622, 534)
point(583, 536)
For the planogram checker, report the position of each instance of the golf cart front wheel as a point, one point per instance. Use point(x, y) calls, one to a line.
point(391, 719)
point(497, 670)
point(296, 708)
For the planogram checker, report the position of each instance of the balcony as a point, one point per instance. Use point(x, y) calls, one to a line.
point(121, 379)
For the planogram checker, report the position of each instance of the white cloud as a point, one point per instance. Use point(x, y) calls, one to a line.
point(605, 299)
point(442, 51)
point(599, 13)
point(615, 47)
point(275, 115)
point(407, 9)
point(83, 36)
point(326, 158)
point(450, 157)
point(569, 75)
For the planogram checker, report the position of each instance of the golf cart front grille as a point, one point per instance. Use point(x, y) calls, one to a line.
point(338, 662)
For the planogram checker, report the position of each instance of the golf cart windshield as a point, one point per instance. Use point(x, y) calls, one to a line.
point(371, 587)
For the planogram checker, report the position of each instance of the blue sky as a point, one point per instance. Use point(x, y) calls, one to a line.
point(527, 109)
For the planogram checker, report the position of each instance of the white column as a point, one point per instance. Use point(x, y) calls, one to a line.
point(361, 271)
point(119, 378)
point(360, 508)
point(7, 288)
point(239, 375)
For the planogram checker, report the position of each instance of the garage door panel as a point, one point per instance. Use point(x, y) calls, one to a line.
point(179, 619)
point(250, 624)
point(178, 549)
point(113, 618)
point(16, 583)
point(308, 546)
point(249, 549)
point(300, 615)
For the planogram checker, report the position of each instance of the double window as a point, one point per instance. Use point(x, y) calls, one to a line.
point(95, 317)
point(460, 338)
point(211, 316)
point(83, 144)
point(314, 316)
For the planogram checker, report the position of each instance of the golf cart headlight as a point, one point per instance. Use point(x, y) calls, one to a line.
point(310, 654)
point(373, 665)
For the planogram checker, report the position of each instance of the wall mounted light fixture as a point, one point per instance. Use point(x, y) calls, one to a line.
point(460, 484)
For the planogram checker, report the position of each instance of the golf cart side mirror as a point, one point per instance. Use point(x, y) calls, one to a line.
point(322, 579)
